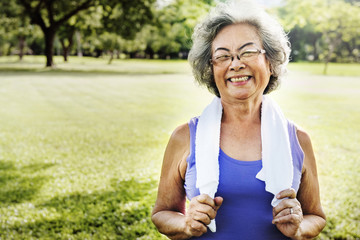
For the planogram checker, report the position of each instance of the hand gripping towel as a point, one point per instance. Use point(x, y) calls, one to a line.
point(277, 167)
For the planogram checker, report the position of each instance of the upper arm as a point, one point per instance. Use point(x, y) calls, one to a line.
point(309, 192)
point(171, 192)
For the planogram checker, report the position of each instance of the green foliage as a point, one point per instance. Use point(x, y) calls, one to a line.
point(319, 30)
point(14, 28)
point(326, 30)
point(126, 18)
point(176, 23)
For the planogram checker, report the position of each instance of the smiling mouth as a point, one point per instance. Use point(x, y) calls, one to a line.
point(240, 79)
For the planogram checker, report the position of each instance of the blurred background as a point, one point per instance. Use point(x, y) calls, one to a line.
point(91, 90)
point(319, 30)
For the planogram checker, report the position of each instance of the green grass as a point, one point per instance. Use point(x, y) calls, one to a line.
point(337, 69)
point(94, 65)
point(81, 146)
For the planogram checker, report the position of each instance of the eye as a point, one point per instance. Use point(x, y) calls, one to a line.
point(249, 53)
point(222, 57)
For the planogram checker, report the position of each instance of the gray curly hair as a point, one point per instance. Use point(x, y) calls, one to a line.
point(274, 40)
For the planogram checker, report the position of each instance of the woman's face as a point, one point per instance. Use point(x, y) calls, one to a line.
point(243, 79)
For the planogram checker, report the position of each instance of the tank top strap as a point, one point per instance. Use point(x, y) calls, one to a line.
point(297, 154)
point(192, 128)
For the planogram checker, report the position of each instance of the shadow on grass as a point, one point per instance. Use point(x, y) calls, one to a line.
point(123, 213)
point(19, 184)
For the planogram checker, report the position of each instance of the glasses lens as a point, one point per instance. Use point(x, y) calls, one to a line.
point(249, 54)
point(246, 54)
point(221, 59)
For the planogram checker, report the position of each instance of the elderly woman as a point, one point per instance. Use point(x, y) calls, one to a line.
point(240, 53)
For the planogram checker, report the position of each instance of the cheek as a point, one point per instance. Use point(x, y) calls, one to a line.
point(268, 66)
point(218, 73)
point(265, 68)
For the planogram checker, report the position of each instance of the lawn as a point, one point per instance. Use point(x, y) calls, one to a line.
point(81, 145)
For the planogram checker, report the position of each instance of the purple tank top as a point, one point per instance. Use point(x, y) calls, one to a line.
point(246, 212)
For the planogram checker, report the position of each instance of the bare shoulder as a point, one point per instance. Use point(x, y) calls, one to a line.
point(303, 137)
point(306, 145)
point(179, 148)
point(181, 135)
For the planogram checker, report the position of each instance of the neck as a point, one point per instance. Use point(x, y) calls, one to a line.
point(242, 111)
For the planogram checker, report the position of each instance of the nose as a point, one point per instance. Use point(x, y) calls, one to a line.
point(236, 64)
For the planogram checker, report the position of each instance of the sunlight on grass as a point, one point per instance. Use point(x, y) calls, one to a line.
point(81, 152)
point(90, 64)
point(80, 155)
point(328, 108)
point(131, 66)
point(336, 69)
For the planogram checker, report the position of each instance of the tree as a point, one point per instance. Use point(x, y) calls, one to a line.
point(66, 37)
point(124, 17)
point(50, 15)
point(325, 25)
point(122, 21)
point(85, 22)
point(338, 26)
point(172, 33)
point(15, 25)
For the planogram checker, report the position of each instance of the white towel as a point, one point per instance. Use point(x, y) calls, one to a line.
point(277, 170)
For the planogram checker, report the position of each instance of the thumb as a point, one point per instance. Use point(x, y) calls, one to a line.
point(218, 201)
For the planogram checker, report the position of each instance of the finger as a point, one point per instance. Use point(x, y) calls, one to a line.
point(284, 212)
point(287, 193)
point(206, 209)
point(197, 229)
point(286, 204)
point(281, 213)
point(289, 218)
point(289, 211)
point(218, 202)
point(202, 217)
point(206, 199)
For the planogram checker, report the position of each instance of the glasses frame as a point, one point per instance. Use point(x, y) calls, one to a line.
point(238, 56)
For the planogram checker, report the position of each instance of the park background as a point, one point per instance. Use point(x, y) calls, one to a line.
point(91, 90)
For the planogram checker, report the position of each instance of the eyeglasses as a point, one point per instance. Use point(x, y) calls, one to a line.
point(246, 55)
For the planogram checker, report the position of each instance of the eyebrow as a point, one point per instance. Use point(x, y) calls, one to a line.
point(228, 50)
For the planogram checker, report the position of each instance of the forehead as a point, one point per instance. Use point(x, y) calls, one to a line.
point(234, 36)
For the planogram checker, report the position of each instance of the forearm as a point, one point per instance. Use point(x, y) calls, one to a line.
point(310, 227)
point(171, 224)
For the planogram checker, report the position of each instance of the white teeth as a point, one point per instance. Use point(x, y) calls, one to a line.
point(242, 79)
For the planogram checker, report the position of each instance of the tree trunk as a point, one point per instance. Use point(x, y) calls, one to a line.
point(315, 51)
point(21, 47)
point(111, 57)
point(65, 53)
point(67, 48)
point(78, 43)
point(64, 49)
point(327, 58)
point(49, 46)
